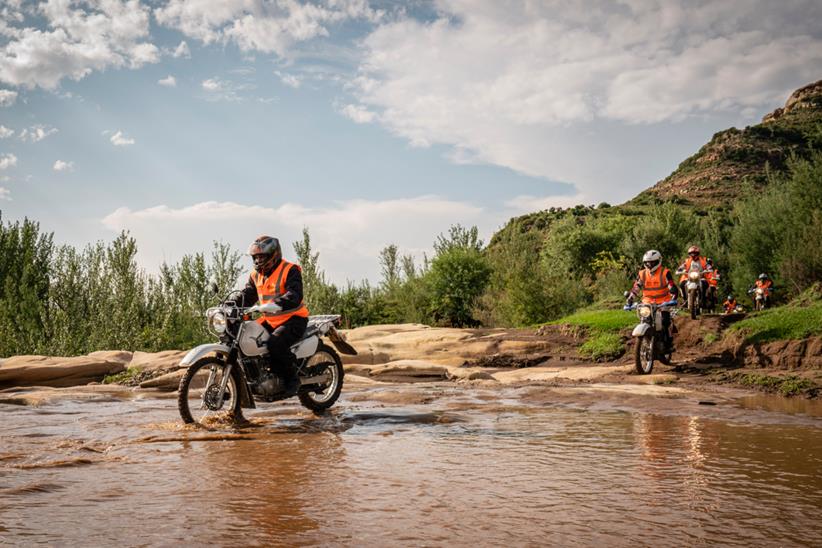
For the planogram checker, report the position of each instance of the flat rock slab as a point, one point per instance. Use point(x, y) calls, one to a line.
point(167, 360)
point(169, 381)
point(55, 371)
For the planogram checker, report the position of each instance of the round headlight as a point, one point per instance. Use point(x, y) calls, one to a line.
point(645, 311)
point(694, 276)
point(216, 321)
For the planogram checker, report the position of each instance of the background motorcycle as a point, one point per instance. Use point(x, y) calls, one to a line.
point(650, 335)
point(229, 375)
point(695, 287)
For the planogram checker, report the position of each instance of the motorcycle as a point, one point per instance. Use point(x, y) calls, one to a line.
point(650, 335)
point(230, 375)
point(760, 298)
point(694, 288)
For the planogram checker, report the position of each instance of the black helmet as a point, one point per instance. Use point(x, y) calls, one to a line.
point(763, 276)
point(266, 253)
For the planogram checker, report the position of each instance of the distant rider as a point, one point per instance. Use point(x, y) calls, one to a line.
point(712, 277)
point(694, 255)
point(729, 306)
point(766, 284)
point(657, 286)
point(277, 281)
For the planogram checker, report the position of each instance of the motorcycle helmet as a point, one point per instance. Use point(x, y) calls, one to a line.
point(266, 252)
point(694, 251)
point(652, 259)
point(763, 276)
point(730, 297)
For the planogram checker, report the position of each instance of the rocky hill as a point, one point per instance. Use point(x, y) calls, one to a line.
point(737, 160)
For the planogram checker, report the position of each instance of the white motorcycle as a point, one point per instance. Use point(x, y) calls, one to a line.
point(229, 375)
point(651, 340)
point(695, 287)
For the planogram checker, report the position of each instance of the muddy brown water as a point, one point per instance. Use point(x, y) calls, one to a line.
point(438, 466)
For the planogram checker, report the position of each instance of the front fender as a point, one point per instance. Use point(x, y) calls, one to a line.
point(640, 329)
point(203, 350)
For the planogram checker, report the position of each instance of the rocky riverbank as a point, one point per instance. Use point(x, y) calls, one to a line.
point(413, 353)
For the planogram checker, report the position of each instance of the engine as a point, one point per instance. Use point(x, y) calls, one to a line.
point(269, 385)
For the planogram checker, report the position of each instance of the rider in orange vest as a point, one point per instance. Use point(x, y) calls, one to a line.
point(278, 281)
point(694, 255)
point(764, 282)
point(729, 306)
point(657, 286)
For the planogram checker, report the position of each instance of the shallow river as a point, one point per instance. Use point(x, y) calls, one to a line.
point(441, 467)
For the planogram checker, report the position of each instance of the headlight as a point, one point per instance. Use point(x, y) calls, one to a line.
point(644, 311)
point(216, 320)
point(694, 276)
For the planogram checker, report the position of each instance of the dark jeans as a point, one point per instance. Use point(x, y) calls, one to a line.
point(279, 344)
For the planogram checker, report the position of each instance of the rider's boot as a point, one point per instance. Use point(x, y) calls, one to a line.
point(290, 378)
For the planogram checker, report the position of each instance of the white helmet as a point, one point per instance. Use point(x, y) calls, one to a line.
point(652, 259)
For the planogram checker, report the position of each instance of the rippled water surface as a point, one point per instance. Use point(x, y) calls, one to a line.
point(469, 468)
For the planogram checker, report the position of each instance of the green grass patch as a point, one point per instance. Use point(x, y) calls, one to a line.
point(787, 322)
point(709, 339)
point(603, 346)
point(599, 320)
point(124, 377)
point(790, 385)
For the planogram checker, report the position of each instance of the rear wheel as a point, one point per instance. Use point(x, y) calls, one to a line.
point(198, 398)
point(644, 353)
point(325, 362)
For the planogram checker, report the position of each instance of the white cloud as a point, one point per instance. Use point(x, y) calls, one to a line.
point(61, 165)
point(5, 194)
point(270, 27)
point(348, 235)
point(182, 50)
point(358, 114)
point(290, 80)
point(225, 90)
point(79, 37)
point(7, 97)
point(5, 132)
point(7, 161)
point(120, 140)
point(36, 133)
point(550, 89)
point(169, 81)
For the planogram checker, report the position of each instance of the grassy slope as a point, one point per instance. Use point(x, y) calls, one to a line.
point(789, 322)
point(604, 340)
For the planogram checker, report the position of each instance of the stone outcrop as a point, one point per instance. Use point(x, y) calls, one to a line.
point(58, 372)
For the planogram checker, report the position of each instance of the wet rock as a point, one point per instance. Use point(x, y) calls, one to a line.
point(409, 371)
point(56, 371)
point(168, 381)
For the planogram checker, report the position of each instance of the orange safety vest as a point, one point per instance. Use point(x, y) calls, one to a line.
point(766, 285)
point(655, 286)
point(270, 288)
point(703, 262)
point(712, 278)
point(729, 305)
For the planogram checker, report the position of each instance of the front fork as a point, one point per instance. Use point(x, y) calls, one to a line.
point(223, 383)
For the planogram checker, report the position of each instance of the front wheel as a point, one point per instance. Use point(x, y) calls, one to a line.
point(644, 353)
point(693, 304)
point(760, 305)
point(325, 362)
point(199, 399)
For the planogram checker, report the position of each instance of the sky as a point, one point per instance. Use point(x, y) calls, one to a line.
point(371, 123)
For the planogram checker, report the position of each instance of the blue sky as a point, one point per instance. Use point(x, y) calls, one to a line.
point(370, 123)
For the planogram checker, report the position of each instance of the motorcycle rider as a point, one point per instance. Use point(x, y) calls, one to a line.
point(729, 306)
point(694, 254)
point(275, 280)
point(712, 277)
point(766, 284)
point(657, 285)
